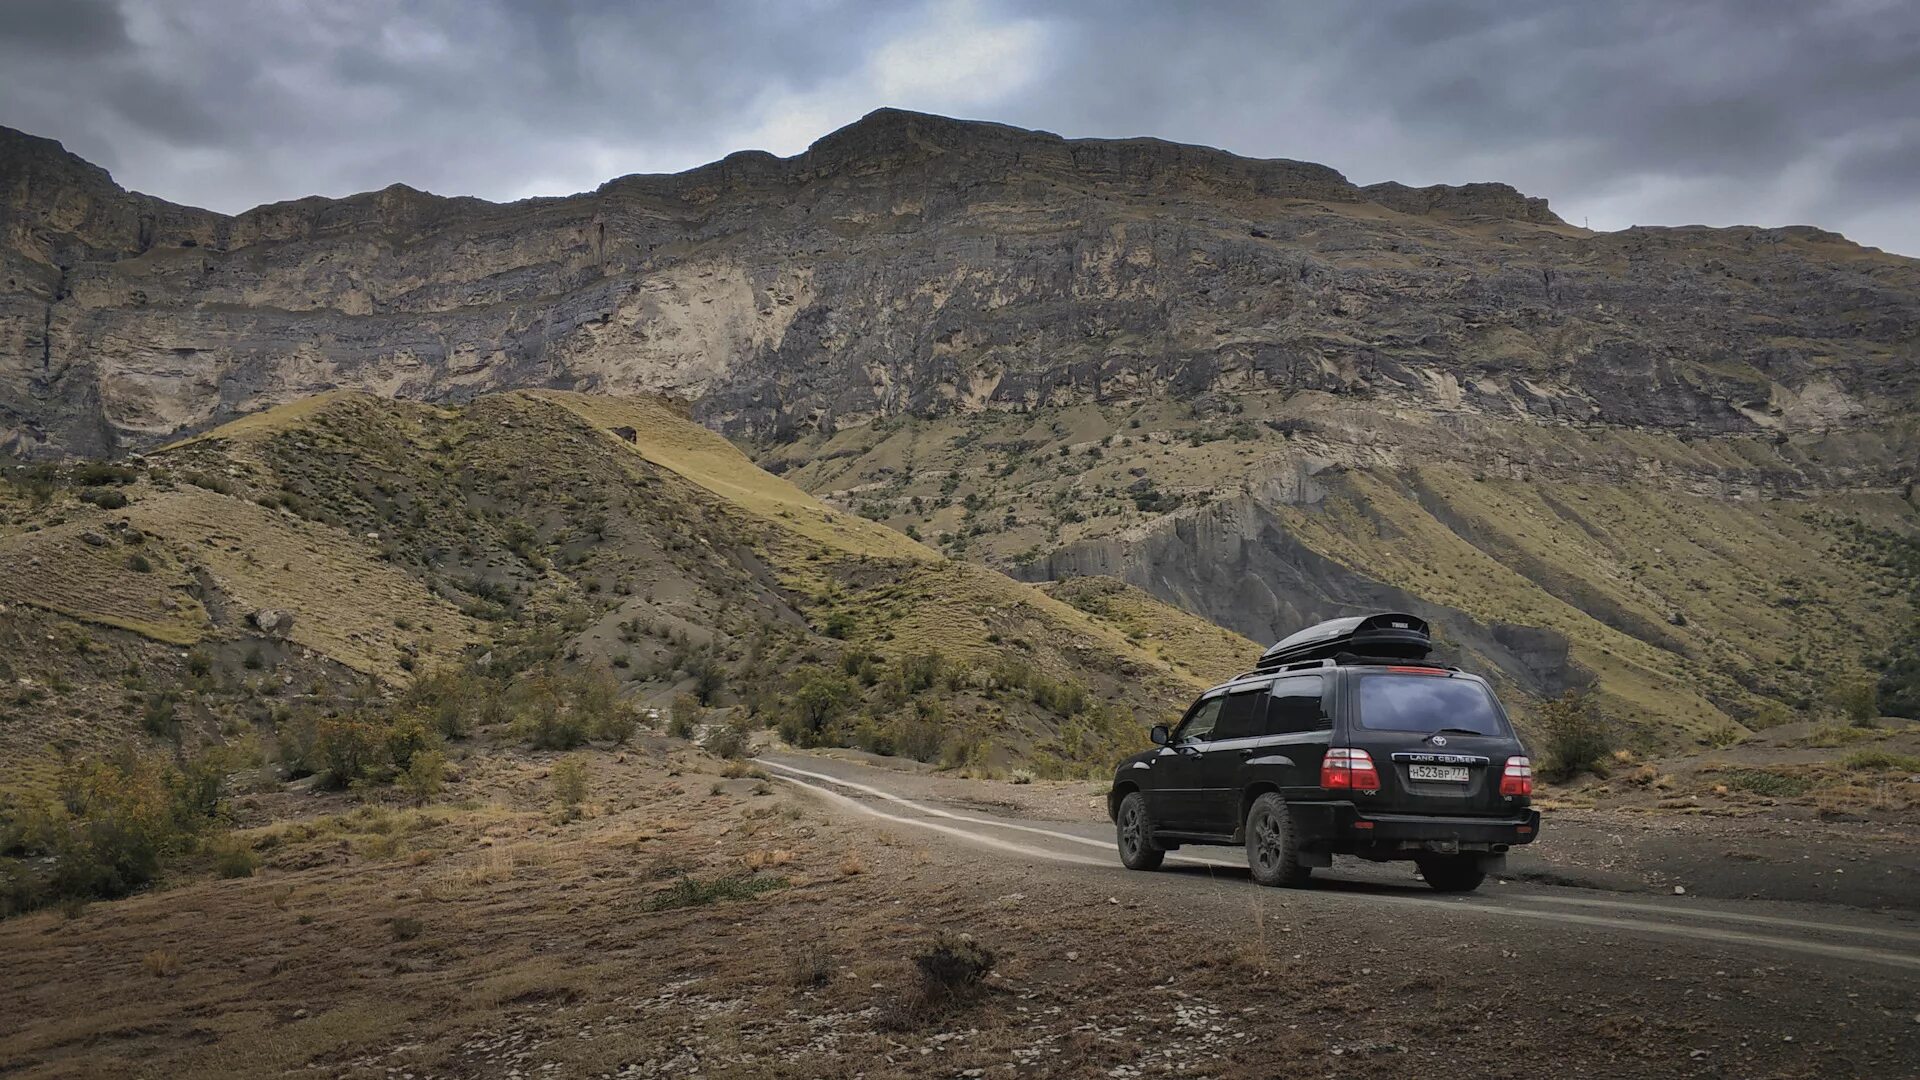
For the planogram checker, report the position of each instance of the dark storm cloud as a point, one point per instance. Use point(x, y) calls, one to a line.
point(1716, 112)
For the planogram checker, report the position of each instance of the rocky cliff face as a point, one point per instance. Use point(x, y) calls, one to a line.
point(912, 265)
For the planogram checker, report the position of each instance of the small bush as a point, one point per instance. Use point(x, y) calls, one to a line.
point(158, 716)
point(618, 724)
point(809, 966)
point(405, 927)
point(424, 776)
point(727, 741)
point(107, 499)
point(139, 563)
point(235, 860)
point(1855, 699)
point(1577, 738)
point(683, 715)
point(569, 780)
point(1764, 782)
point(161, 964)
point(693, 892)
point(348, 749)
point(1879, 760)
point(111, 827)
point(953, 969)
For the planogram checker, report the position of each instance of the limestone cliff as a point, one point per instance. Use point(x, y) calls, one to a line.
point(914, 265)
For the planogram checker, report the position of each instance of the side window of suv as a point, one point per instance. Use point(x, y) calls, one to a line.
point(1199, 723)
point(1296, 706)
point(1241, 716)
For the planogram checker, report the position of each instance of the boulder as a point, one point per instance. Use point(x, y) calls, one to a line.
point(273, 622)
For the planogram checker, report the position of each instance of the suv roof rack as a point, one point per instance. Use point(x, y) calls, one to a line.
point(1392, 634)
point(1345, 659)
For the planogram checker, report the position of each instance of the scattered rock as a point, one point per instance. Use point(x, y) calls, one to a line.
point(93, 538)
point(273, 622)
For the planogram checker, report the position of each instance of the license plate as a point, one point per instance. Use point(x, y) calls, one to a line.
point(1453, 774)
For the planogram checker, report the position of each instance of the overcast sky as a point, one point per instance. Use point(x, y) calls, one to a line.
point(1620, 112)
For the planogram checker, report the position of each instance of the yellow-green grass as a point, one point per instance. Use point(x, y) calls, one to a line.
point(1209, 651)
point(267, 421)
point(675, 443)
point(1549, 555)
point(347, 603)
point(978, 616)
point(54, 569)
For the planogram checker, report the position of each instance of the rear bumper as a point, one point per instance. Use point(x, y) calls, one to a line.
point(1341, 827)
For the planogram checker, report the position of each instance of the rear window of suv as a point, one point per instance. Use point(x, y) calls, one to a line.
point(1427, 703)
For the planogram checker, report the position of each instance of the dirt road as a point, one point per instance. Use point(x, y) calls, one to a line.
point(1381, 893)
point(699, 920)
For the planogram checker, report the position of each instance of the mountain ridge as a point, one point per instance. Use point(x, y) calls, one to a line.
point(909, 264)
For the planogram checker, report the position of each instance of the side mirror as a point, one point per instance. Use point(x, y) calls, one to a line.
point(1159, 735)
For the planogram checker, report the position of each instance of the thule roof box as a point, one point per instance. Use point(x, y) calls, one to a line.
point(1389, 634)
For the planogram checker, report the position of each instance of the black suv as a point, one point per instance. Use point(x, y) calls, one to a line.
point(1326, 749)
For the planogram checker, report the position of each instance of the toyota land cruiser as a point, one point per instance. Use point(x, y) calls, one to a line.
point(1326, 749)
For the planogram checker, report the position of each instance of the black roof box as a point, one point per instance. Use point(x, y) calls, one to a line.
point(1389, 634)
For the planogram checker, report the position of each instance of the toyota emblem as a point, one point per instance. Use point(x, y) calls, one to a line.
point(1439, 740)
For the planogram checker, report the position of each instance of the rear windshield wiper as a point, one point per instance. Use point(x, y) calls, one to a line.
point(1462, 731)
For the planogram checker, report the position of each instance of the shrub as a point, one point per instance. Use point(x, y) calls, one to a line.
point(158, 716)
point(97, 473)
point(347, 749)
point(235, 860)
point(405, 737)
point(617, 724)
point(569, 780)
point(111, 826)
point(1882, 760)
point(952, 970)
point(1855, 699)
point(683, 715)
point(106, 500)
point(727, 741)
point(424, 775)
point(1764, 782)
point(298, 739)
point(139, 563)
point(708, 677)
point(405, 927)
point(922, 735)
point(693, 892)
point(1577, 738)
point(809, 965)
point(199, 663)
point(821, 699)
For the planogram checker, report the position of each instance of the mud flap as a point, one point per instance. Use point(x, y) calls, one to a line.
point(1314, 858)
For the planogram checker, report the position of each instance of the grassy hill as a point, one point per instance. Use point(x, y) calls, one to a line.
point(340, 548)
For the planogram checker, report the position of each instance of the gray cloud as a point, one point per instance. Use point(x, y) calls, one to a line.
point(1631, 112)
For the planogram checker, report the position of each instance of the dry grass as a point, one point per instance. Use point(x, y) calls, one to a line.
point(671, 441)
point(161, 964)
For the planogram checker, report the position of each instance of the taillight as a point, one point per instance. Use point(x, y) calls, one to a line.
point(1348, 769)
point(1517, 777)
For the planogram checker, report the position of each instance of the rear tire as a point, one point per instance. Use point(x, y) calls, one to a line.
point(1273, 847)
point(1452, 873)
point(1134, 830)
